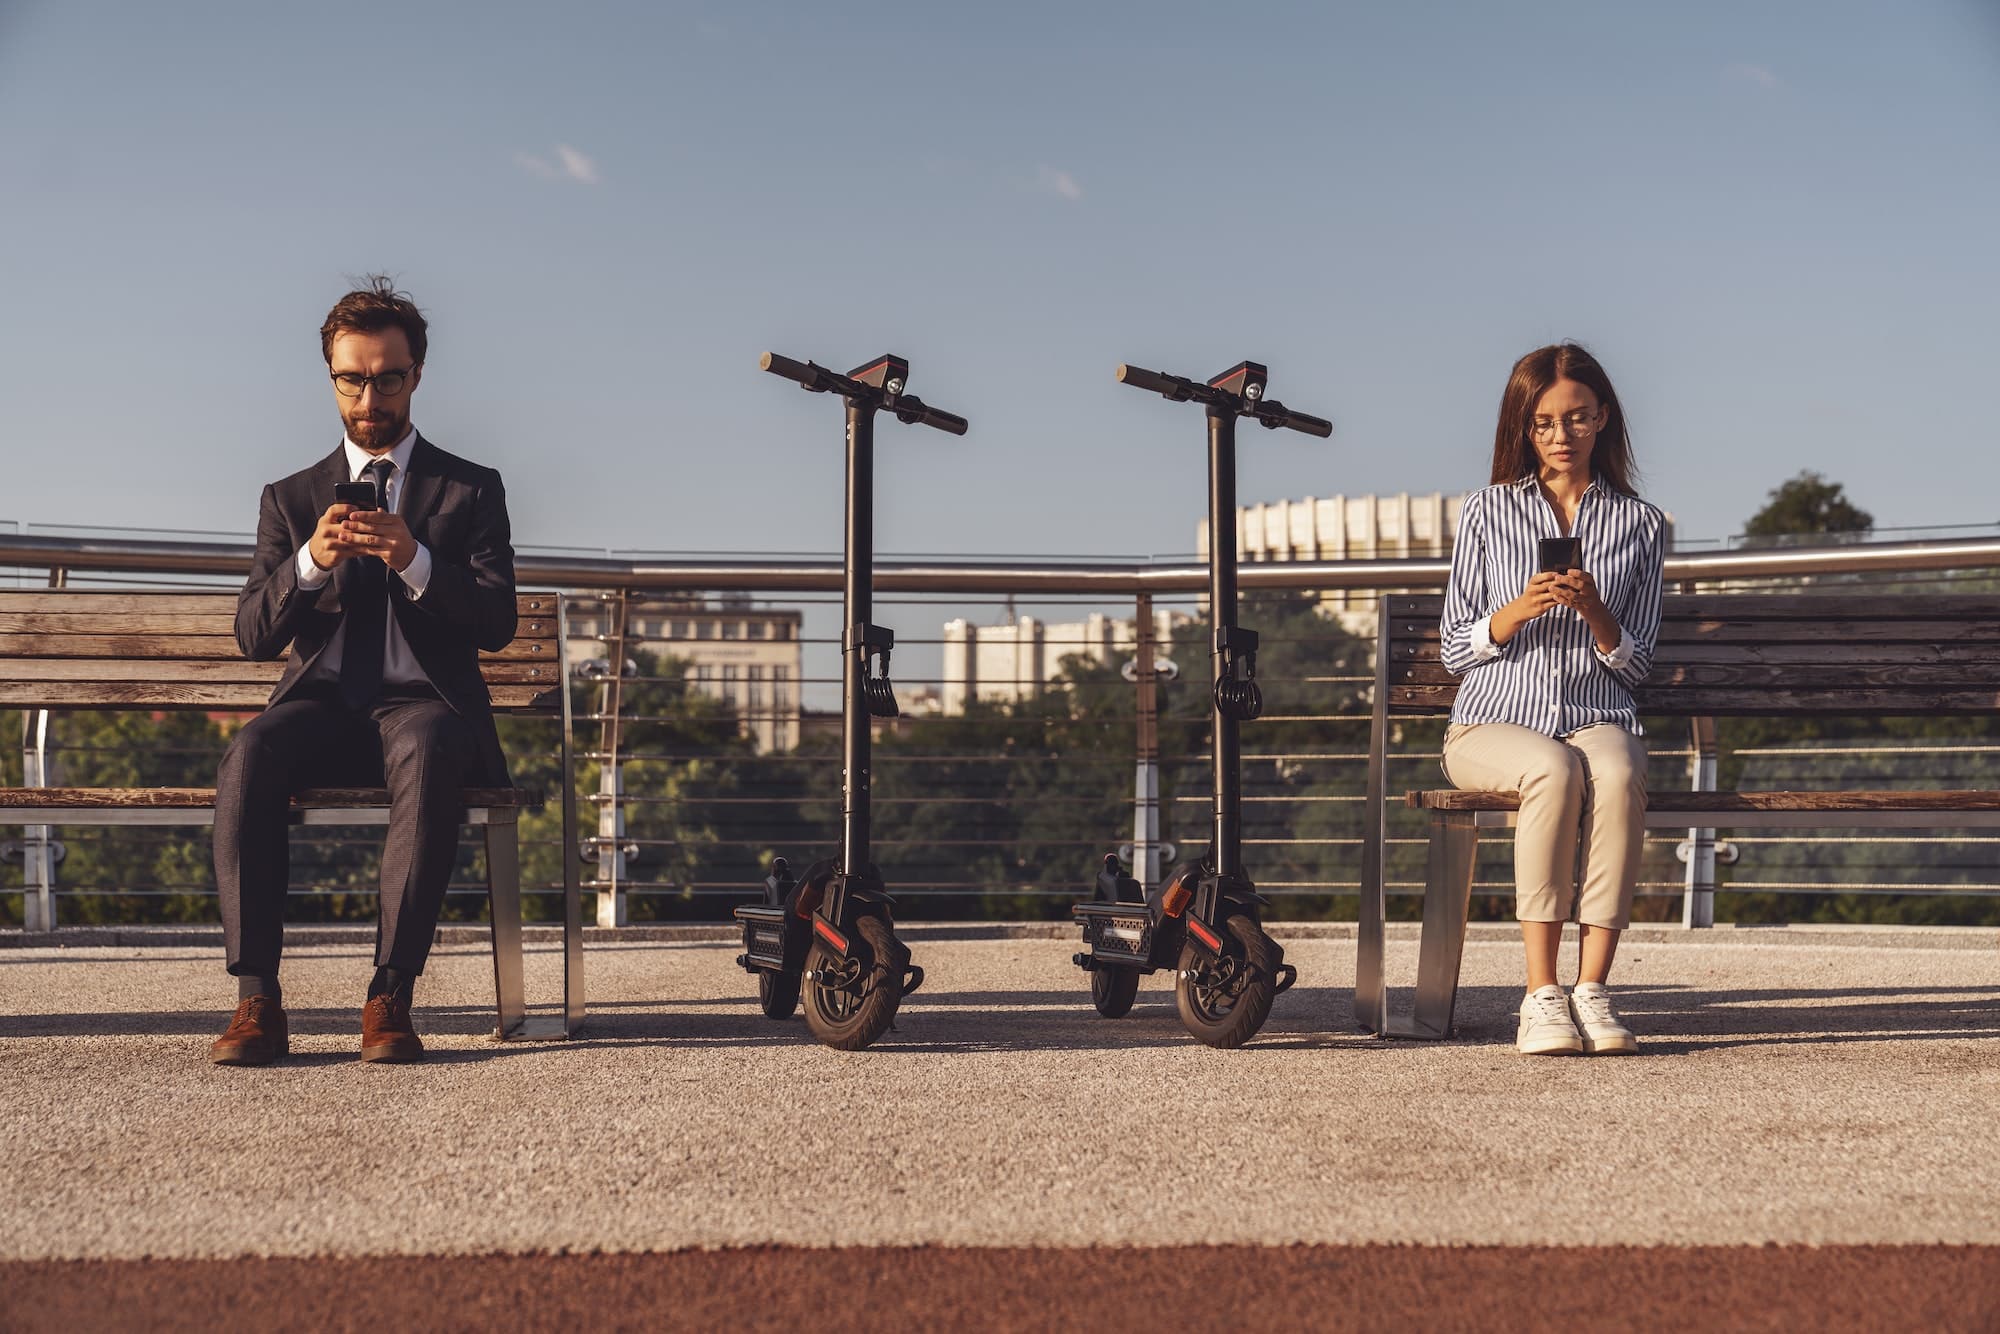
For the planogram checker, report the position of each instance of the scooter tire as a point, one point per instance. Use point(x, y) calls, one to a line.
point(841, 1020)
point(1231, 1027)
point(1112, 990)
point(778, 993)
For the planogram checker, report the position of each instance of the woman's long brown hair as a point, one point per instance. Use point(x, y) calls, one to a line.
point(1534, 375)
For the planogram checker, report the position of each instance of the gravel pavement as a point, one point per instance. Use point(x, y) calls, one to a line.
point(1793, 1088)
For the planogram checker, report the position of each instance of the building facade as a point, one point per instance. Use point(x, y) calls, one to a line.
point(728, 649)
point(1000, 664)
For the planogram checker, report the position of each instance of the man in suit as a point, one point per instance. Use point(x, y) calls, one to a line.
point(385, 611)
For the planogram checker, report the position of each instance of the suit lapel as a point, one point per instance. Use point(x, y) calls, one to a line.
point(426, 479)
point(329, 470)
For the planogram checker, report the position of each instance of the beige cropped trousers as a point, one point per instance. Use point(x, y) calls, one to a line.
point(1586, 790)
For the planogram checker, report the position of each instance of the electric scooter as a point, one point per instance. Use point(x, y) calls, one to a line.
point(1204, 921)
point(831, 931)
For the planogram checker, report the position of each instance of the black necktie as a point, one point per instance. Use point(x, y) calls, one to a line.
point(365, 599)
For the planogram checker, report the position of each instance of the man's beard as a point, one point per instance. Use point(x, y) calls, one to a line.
point(385, 430)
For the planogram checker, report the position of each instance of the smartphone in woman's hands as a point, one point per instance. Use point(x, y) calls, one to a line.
point(1560, 555)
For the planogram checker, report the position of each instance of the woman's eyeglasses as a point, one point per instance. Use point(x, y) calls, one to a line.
point(1578, 424)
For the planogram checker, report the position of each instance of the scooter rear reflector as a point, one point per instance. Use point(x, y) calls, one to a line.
point(829, 935)
point(1206, 936)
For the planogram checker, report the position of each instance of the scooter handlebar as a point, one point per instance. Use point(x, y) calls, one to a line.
point(804, 372)
point(909, 408)
point(1276, 414)
point(1171, 386)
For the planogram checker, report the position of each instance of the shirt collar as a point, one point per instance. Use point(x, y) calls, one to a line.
point(359, 458)
point(1530, 483)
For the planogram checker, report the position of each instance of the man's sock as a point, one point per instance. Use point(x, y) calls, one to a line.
point(246, 987)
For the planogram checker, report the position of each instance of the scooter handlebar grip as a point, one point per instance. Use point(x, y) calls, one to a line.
point(1299, 421)
point(791, 370)
point(949, 422)
point(1145, 379)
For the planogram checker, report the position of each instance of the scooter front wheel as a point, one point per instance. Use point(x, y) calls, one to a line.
point(1224, 1001)
point(857, 1002)
point(1112, 990)
point(777, 993)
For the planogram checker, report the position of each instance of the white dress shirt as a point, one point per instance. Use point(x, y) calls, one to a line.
point(399, 665)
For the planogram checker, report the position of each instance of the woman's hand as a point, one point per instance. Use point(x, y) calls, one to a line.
point(1576, 590)
point(1536, 599)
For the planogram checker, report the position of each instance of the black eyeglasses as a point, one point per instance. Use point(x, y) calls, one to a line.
point(387, 383)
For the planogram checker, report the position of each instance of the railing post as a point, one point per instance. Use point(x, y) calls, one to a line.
point(611, 901)
point(38, 847)
point(1146, 788)
point(1698, 900)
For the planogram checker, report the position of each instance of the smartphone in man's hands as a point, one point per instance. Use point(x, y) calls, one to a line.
point(1560, 555)
point(361, 495)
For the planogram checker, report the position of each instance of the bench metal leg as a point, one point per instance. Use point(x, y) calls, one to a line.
point(503, 893)
point(1447, 898)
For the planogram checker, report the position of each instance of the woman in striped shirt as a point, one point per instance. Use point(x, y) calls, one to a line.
point(1549, 659)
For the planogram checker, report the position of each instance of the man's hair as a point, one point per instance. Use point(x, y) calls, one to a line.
point(372, 308)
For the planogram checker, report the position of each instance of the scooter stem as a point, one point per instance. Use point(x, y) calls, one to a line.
point(1226, 752)
point(858, 612)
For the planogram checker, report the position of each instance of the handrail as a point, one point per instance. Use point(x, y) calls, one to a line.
point(1018, 577)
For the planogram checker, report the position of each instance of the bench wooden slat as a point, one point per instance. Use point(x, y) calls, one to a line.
point(99, 602)
point(1799, 654)
point(203, 798)
point(1447, 799)
point(87, 623)
point(212, 647)
point(1730, 701)
point(1777, 632)
point(1825, 602)
point(220, 696)
point(241, 671)
point(1767, 676)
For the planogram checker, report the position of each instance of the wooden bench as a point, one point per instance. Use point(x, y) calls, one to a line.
point(1719, 654)
point(77, 649)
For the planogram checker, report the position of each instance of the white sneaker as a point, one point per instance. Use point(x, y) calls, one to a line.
point(1603, 1034)
point(1546, 1027)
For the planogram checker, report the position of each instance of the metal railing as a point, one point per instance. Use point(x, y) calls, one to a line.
point(1003, 807)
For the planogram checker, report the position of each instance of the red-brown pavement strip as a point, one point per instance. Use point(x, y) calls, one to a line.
point(1931, 1288)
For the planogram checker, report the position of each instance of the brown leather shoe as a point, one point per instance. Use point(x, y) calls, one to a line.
point(386, 1032)
point(258, 1034)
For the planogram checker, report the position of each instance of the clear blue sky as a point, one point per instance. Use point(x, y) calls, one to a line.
point(1775, 223)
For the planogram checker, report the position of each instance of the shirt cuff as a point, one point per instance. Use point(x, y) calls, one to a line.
point(310, 574)
point(1619, 656)
point(416, 576)
point(1483, 647)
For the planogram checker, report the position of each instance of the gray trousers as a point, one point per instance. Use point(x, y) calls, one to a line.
point(412, 743)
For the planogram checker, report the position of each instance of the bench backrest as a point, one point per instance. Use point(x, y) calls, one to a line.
point(137, 649)
point(1771, 655)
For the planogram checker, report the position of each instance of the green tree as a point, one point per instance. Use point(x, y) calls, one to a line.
point(1807, 506)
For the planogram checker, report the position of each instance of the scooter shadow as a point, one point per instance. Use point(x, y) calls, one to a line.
point(975, 1021)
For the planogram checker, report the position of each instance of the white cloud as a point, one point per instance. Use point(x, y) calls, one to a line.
point(568, 164)
point(1057, 182)
point(1761, 75)
point(579, 168)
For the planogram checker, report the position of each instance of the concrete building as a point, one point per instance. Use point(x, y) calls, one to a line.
point(1004, 663)
point(1398, 527)
point(730, 649)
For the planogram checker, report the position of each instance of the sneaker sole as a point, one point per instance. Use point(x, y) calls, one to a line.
point(1551, 1047)
point(1615, 1047)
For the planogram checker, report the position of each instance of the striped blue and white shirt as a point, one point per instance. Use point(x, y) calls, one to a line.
point(1550, 676)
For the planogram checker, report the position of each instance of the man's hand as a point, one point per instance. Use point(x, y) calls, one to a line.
point(329, 544)
point(1537, 598)
point(383, 535)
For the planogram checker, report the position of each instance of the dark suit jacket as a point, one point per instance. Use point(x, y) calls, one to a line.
point(458, 510)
